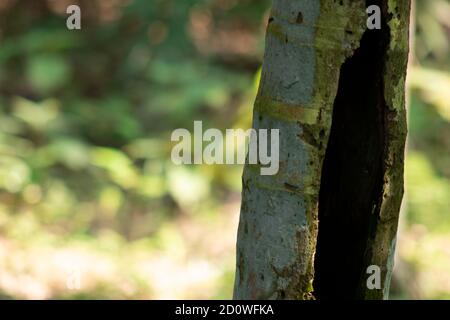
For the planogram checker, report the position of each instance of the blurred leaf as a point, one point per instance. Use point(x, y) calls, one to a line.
point(434, 85)
point(15, 146)
point(146, 148)
point(111, 199)
point(428, 194)
point(152, 186)
point(47, 72)
point(14, 173)
point(38, 40)
point(67, 151)
point(117, 164)
point(187, 186)
point(37, 115)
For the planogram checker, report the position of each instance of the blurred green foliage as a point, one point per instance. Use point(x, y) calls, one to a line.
point(92, 110)
point(85, 124)
point(423, 258)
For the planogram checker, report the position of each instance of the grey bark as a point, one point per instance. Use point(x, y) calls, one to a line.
point(315, 52)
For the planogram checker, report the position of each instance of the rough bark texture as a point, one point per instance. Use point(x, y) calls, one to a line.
point(336, 91)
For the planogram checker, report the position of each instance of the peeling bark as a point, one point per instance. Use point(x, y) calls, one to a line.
point(335, 90)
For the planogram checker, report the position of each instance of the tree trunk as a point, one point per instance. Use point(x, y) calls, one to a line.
point(335, 90)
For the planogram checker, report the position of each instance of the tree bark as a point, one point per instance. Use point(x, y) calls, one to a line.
point(335, 90)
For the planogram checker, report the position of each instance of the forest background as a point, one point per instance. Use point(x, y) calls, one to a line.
point(91, 206)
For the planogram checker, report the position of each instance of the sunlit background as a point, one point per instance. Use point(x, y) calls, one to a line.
point(91, 205)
